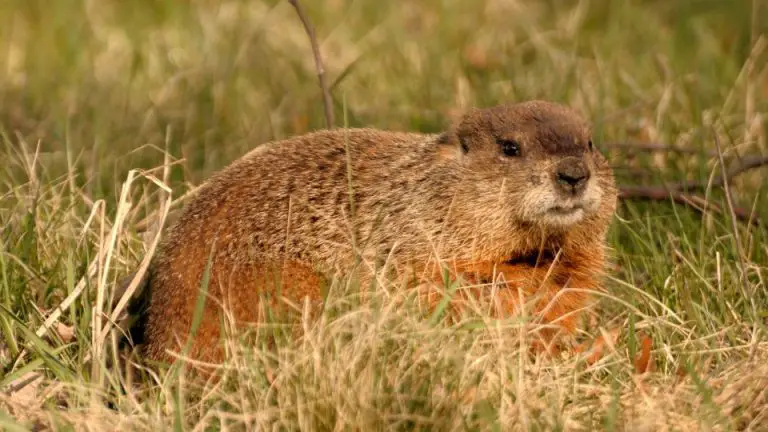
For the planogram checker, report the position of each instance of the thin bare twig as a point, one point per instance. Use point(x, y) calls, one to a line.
point(729, 200)
point(309, 28)
point(655, 147)
point(681, 192)
point(747, 163)
point(653, 193)
point(664, 191)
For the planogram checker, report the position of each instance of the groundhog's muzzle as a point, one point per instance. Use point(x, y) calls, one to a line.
point(571, 175)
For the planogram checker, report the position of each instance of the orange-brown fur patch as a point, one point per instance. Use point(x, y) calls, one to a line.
point(547, 282)
point(235, 296)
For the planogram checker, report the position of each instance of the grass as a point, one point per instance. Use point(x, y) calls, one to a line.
point(175, 90)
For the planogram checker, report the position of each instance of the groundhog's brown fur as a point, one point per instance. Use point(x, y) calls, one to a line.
point(505, 190)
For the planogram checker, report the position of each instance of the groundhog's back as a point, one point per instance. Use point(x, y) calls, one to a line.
point(238, 222)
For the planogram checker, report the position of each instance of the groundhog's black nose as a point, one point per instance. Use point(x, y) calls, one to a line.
point(572, 175)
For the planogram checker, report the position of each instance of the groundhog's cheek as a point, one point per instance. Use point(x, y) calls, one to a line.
point(593, 197)
point(534, 202)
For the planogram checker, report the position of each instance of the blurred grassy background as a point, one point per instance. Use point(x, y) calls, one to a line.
point(108, 77)
point(90, 89)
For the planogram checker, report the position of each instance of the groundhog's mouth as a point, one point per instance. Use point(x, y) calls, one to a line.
point(565, 210)
point(562, 216)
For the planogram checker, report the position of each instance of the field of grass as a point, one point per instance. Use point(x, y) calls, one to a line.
point(106, 106)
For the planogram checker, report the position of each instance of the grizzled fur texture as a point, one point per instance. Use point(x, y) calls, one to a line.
point(515, 190)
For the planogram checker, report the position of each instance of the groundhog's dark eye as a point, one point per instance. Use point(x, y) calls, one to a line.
point(509, 147)
point(589, 144)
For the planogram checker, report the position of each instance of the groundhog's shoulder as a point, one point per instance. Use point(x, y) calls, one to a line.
point(330, 142)
point(318, 157)
point(316, 161)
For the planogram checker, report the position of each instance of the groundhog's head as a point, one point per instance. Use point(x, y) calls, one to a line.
point(537, 160)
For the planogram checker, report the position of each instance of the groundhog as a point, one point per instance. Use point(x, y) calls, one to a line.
point(515, 193)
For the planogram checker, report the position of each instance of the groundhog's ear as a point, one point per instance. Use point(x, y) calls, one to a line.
point(469, 128)
point(462, 129)
point(451, 139)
